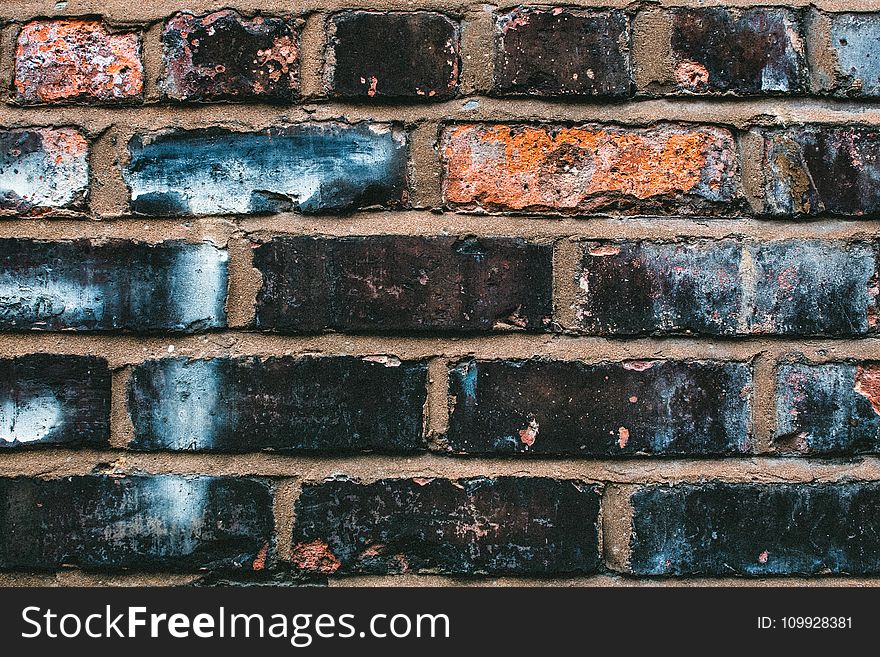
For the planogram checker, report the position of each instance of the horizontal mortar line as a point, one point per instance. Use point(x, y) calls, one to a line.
point(55, 463)
point(739, 112)
point(416, 223)
point(75, 577)
point(150, 11)
point(126, 349)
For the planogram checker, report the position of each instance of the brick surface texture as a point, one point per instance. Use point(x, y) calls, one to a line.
point(439, 293)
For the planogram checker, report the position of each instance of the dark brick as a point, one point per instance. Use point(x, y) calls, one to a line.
point(51, 399)
point(752, 51)
point(590, 168)
point(648, 287)
point(748, 529)
point(523, 525)
point(396, 283)
point(832, 408)
point(571, 408)
point(556, 52)
point(112, 285)
point(310, 167)
point(810, 287)
point(223, 56)
point(72, 60)
point(795, 287)
point(854, 39)
point(43, 169)
point(382, 55)
point(284, 404)
point(164, 522)
point(814, 170)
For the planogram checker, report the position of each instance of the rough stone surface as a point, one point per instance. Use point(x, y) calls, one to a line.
point(571, 408)
point(51, 399)
point(855, 40)
point(398, 283)
point(114, 285)
point(168, 522)
point(311, 167)
point(77, 60)
point(525, 525)
point(755, 51)
point(748, 529)
point(589, 168)
point(828, 408)
point(223, 56)
point(382, 55)
point(43, 169)
point(822, 170)
point(284, 404)
point(556, 52)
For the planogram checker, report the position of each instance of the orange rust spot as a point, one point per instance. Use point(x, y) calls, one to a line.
point(64, 144)
point(423, 481)
point(638, 365)
point(260, 561)
point(691, 75)
point(528, 435)
point(315, 556)
point(622, 437)
point(604, 250)
point(868, 385)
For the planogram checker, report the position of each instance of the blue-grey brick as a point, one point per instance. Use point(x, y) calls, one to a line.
point(114, 285)
point(310, 167)
point(855, 40)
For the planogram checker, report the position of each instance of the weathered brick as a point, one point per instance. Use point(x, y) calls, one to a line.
point(649, 287)
point(77, 60)
point(530, 526)
point(223, 56)
point(854, 39)
point(571, 408)
point(164, 522)
point(398, 283)
point(284, 404)
point(747, 529)
point(51, 399)
point(390, 55)
point(113, 285)
point(724, 287)
point(43, 169)
point(829, 408)
point(555, 52)
point(819, 169)
point(589, 168)
point(752, 51)
point(311, 167)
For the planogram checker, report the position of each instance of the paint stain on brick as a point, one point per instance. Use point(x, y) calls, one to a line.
point(588, 168)
point(316, 557)
point(855, 39)
point(310, 167)
point(223, 56)
point(76, 60)
point(43, 169)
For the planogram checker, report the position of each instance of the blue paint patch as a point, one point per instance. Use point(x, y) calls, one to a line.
point(310, 167)
point(855, 39)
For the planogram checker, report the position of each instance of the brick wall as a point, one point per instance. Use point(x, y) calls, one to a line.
point(437, 292)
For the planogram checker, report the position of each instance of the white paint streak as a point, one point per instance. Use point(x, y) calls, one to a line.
point(29, 420)
point(188, 418)
point(198, 284)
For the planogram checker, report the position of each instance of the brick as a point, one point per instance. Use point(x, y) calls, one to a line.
point(571, 408)
point(828, 409)
point(856, 70)
point(723, 287)
point(589, 168)
point(382, 55)
point(168, 523)
point(814, 170)
point(559, 52)
point(399, 283)
point(51, 399)
point(223, 56)
point(310, 167)
point(43, 169)
point(751, 51)
point(77, 60)
point(112, 285)
point(523, 525)
point(282, 404)
point(748, 529)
